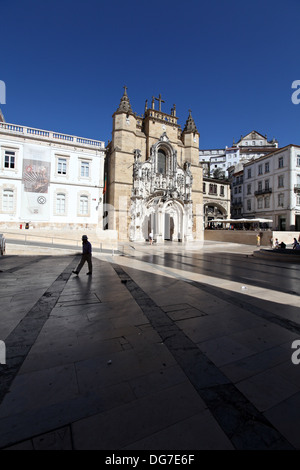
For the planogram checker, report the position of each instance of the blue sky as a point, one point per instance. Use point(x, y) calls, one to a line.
point(231, 62)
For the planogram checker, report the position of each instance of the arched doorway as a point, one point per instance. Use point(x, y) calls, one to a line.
point(166, 219)
point(213, 211)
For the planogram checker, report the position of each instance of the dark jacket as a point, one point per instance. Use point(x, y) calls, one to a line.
point(86, 248)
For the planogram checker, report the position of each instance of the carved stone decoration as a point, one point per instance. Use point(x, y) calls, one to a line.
point(156, 194)
point(164, 137)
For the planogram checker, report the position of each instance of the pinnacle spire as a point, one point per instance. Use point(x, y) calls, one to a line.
point(190, 125)
point(124, 106)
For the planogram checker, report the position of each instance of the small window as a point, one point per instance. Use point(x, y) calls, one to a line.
point(9, 159)
point(60, 204)
point(204, 188)
point(84, 205)
point(161, 162)
point(212, 189)
point(249, 204)
point(62, 166)
point(267, 167)
point(280, 200)
point(280, 162)
point(259, 203)
point(280, 181)
point(267, 202)
point(222, 191)
point(259, 186)
point(8, 200)
point(298, 160)
point(260, 169)
point(248, 188)
point(267, 184)
point(85, 169)
point(249, 173)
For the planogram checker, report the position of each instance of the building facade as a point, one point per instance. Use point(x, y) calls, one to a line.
point(271, 186)
point(154, 176)
point(49, 179)
point(216, 200)
point(237, 191)
point(251, 146)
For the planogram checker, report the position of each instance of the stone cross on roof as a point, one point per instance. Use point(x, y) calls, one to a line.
point(160, 101)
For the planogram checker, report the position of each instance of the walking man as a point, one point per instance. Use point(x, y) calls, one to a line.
point(86, 256)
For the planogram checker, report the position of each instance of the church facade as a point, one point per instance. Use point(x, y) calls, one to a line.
point(154, 178)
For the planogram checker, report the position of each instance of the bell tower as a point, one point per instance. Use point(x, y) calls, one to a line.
point(120, 158)
point(190, 138)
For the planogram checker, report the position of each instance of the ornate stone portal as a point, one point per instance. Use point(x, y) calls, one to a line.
point(161, 195)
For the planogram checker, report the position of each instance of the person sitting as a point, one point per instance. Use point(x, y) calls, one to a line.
point(282, 245)
point(295, 243)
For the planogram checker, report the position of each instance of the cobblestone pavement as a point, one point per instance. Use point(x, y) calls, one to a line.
point(162, 348)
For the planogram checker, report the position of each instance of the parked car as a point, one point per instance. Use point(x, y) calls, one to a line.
point(2, 244)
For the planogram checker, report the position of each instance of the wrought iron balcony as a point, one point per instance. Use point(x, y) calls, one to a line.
point(260, 192)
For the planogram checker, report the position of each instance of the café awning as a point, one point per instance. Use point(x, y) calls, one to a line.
point(241, 221)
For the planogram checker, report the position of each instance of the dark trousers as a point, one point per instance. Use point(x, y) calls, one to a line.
point(85, 258)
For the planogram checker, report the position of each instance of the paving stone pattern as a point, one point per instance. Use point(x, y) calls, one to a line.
point(169, 349)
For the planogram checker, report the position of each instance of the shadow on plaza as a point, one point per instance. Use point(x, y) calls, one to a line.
point(272, 392)
point(235, 267)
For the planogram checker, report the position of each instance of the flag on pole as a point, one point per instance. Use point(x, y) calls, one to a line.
point(105, 184)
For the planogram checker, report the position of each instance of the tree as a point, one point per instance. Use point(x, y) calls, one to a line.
point(218, 174)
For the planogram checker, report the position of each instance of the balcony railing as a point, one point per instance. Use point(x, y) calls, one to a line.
point(236, 203)
point(48, 135)
point(259, 192)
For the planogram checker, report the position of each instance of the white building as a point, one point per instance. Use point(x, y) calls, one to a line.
point(272, 188)
point(214, 159)
point(252, 145)
point(216, 200)
point(49, 179)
